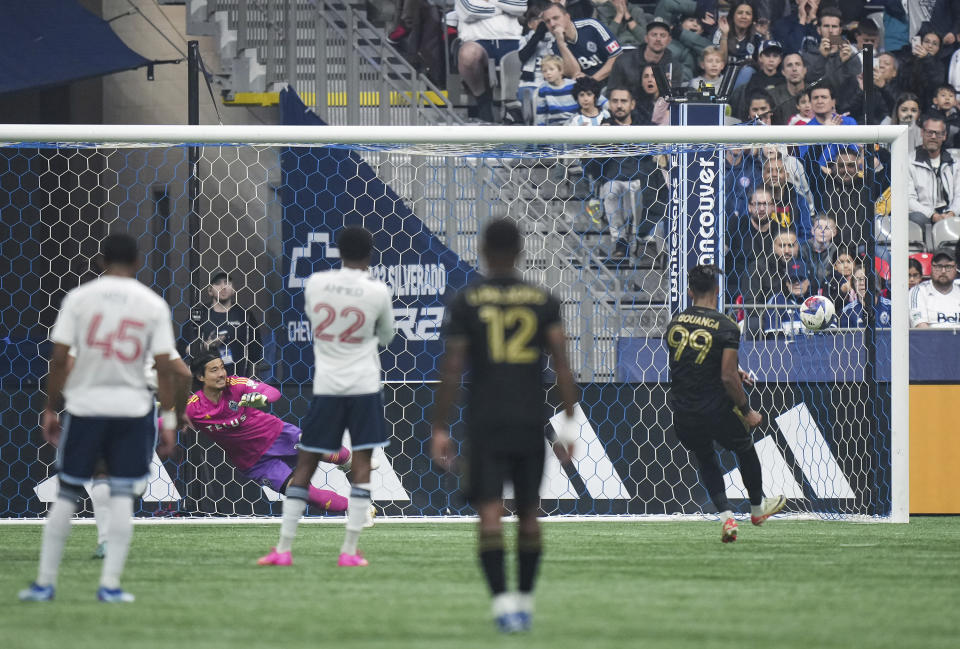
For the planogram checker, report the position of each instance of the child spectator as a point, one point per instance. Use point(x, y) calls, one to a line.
point(905, 111)
point(590, 111)
point(852, 316)
point(804, 110)
point(555, 103)
point(945, 100)
point(535, 43)
point(837, 287)
point(914, 273)
point(712, 64)
point(796, 288)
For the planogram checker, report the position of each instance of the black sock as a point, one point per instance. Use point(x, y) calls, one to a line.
point(749, 464)
point(712, 478)
point(485, 106)
point(491, 559)
point(529, 550)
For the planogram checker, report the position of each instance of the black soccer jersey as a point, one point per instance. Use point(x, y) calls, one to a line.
point(695, 341)
point(504, 321)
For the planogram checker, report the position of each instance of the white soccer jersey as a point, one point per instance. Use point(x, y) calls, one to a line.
point(350, 312)
point(149, 371)
point(929, 305)
point(114, 324)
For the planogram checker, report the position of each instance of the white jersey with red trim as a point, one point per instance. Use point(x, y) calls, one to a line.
point(350, 313)
point(114, 324)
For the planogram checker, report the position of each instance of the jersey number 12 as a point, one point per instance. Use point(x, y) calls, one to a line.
point(514, 348)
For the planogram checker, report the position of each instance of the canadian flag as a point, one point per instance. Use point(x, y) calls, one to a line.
point(613, 46)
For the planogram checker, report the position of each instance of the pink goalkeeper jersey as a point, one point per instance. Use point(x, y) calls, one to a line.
point(243, 433)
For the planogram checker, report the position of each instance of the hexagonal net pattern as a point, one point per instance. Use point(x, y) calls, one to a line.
point(610, 233)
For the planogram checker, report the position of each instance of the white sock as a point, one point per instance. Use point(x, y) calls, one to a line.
point(293, 509)
point(357, 511)
point(100, 501)
point(55, 534)
point(503, 604)
point(119, 535)
point(724, 515)
point(525, 603)
point(756, 510)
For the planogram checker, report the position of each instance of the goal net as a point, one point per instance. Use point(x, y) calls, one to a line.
point(612, 218)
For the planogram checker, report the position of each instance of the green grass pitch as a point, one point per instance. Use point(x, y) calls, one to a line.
point(603, 584)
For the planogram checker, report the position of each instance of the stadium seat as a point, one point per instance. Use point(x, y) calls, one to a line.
point(916, 237)
point(926, 260)
point(884, 230)
point(946, 233)
point(508, 80)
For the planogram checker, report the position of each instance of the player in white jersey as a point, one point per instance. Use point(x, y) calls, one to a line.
point(350, 313)
point(114, 323)
point(936, 303)
point(99, 490)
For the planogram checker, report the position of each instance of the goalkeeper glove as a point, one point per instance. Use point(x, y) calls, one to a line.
point(568, 431)
point(254, 400)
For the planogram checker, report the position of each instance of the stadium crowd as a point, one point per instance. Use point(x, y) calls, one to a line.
point(798, 218)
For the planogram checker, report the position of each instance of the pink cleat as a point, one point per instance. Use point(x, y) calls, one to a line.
point(276, 559)
point(352, 560)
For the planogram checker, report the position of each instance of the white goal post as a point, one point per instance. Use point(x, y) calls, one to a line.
point(451, 179)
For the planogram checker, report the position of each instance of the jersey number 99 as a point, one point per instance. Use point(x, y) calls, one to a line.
point(699, 340)
point(514, 348)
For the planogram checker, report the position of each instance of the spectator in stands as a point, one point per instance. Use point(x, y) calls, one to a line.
point(853, 316)
point(652, 108)
point(914, 273)
point(766, 77)
point(586, 46)
point(797, 26)
point(795, 172)
point(687, 42)
point(535, 43)
point(626, 178)
point(945, 101)
point(626, 71)
point(225, 328)
point(816, 157)
point(758, 108)
point(555, 102)
point(489, 29)
point(737, 33)
point(786, 95)
point(795, 288)
point(627, 22)
point(744, 175)
point(933, 178)
point(749, 239)
point(849, 198)
point(866, 33)
point(832, 59)
point(712, 63)
point(419, 37)
point(906, 110)
point(936, 304)
point(765, 274)
point(886, 82)
point(837, 287)
point(791, 209)
point(590, 103)
point(804, 110)
point(817, 252)
point(924, 70)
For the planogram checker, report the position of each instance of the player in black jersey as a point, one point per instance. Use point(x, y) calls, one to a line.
point(500, 329)
point(708, 400)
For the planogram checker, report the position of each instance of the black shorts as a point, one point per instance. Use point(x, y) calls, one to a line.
point(329, 416)
point(125, 444)
point(488, 467)
point(697, 432)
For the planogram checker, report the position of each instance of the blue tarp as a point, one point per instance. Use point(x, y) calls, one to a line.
point(50, 42)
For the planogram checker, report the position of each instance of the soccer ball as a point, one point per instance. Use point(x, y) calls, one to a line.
point(816, 312)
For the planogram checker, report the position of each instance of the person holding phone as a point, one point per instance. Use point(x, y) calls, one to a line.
point(832, 60)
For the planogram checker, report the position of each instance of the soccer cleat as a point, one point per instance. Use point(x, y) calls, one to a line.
point(523, 620)
point(352, 560)
point(114, 595)
point(276, 559)
point(36, 593)
point(508, 623)
point(770, 507)
point(100, 552)
point(729, 534)
point(371, 514)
